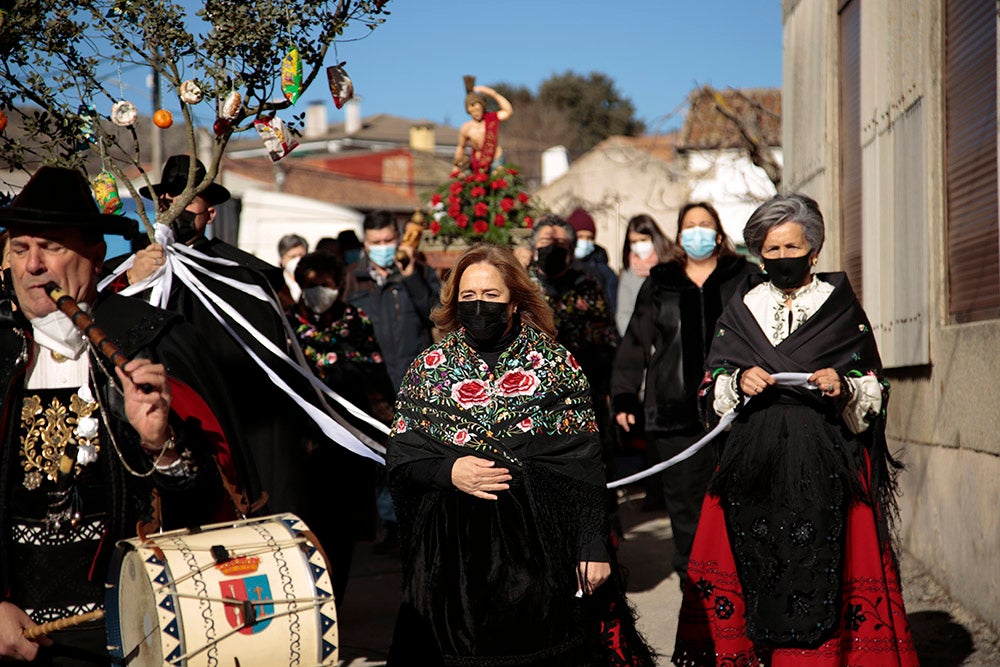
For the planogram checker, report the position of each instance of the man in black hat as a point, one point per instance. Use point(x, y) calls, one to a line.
point(81, 442)
point(269, 426)
point(190, 225)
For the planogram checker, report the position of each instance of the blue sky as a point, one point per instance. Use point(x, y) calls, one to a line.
point(656, 51)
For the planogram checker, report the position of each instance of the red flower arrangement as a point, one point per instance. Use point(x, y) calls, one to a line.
point(482, 207)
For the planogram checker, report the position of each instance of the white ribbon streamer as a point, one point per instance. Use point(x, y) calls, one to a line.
point(183, 262)
point(787, 379)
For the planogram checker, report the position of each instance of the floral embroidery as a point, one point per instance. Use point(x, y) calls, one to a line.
point(470, 392)
point(349, 338)
point(434, 358)
point(854, 616)
point(461, 402)
point(724, 607)
point(518, 383)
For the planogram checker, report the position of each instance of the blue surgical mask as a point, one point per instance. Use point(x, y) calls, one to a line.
point(698, 242)
point(583, 248)
point(382, 255)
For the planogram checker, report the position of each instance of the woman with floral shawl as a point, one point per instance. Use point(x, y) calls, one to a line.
point(792, 563)
point(494, 466)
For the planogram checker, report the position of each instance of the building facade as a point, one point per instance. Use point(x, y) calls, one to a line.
point(890, 123)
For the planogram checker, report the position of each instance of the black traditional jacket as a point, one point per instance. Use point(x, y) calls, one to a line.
point(666, 343)
point(124, 499)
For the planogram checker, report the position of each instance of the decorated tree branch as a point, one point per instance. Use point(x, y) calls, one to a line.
point(237, 62)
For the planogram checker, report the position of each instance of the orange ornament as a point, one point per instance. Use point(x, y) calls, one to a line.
point(163, 119)
point(3, 121)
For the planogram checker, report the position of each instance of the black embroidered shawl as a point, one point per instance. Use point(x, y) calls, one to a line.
point(790, 467)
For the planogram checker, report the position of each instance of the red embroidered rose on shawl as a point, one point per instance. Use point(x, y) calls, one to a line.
point(573, 363)
point(518, 382)
point(535, 358)
point(526, 424)
point(434, 359)
point(400, 425)
point(461, 437)
point(470, 392)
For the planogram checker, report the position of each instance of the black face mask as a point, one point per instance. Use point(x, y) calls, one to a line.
point(788, 272)
point(484, 321)
point(183, 226)
point(553, 259)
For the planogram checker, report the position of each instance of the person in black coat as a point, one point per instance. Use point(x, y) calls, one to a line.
point(666, 342)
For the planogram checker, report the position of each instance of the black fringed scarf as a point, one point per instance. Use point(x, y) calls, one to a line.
point(790, 467)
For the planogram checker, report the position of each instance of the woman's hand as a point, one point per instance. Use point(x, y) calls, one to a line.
point(625, 420)
point(755, 380)
point(828, 381)
point(478, 477)
point(590, 575)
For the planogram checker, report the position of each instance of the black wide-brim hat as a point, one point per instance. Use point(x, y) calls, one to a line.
point(60, 197)
point(175, 177)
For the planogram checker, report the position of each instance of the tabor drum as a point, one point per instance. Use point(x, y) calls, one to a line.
point(249, 593)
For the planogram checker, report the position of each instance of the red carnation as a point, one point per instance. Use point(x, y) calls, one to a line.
point(454, 209)
point(468, 179)
point(480, 210)
point(522, 197)
point(498, 184)
point(528, 222)
point(455, 188)
point(435, 227)
point(477, 192)
point(499, 220)
point(435, 199)
point(481, 177)
point(513, 172)
point(506, 204)
point(480, 226)
point(462, 220)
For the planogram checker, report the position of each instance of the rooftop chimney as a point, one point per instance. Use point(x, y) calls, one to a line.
point(315, 120)
point(555, 163)
point(422, 137)
point(352, 116)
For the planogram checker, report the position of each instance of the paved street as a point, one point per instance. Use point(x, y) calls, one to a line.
point(946, 635)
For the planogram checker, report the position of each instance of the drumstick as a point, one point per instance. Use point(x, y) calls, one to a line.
point(36, 631)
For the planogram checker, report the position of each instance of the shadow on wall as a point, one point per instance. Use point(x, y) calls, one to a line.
point(939, 639)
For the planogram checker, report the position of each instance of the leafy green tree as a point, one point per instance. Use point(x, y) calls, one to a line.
point(62, 60)
point(593, 105)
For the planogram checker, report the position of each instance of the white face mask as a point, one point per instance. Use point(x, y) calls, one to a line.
point(57, 332)
point(643, 249)
point(290, 266)
point(319, 299)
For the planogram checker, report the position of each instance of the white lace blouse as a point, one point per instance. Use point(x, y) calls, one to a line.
point(767, 304)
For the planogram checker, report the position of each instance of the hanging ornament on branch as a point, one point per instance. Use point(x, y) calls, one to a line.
point(275, 137)
point(3, 121)
point(341, 86)
point(106, 193)
point(123, 113)
point(190, 93)
point(291, 75)
point(163, 119)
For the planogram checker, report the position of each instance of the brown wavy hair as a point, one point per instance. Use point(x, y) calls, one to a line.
point(525, 294)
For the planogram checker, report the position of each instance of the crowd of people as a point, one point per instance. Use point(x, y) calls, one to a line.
point(501, 393)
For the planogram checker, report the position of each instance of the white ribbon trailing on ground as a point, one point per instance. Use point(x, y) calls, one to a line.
point(183, 263)
point(787, 379)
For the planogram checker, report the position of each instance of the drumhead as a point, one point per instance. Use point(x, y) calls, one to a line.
point(133, 627)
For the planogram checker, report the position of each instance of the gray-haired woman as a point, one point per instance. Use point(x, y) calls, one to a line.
point(792, 562)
